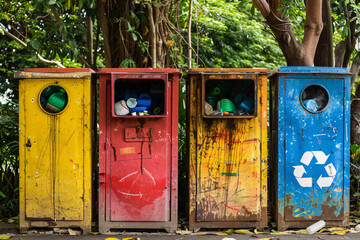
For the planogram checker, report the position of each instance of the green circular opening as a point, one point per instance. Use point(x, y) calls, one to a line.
point(53, 99)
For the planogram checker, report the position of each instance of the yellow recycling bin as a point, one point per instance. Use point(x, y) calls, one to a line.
point(55, 145)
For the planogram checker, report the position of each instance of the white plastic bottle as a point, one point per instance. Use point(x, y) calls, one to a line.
point(315, 227)
point(357, 228)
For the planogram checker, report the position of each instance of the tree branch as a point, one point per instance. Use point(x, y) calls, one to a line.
point(41, 59)
point(152, 35)
point(103, 25)
point(263, 7)
point(355, 66)
point(339, 53)
point(189, 33)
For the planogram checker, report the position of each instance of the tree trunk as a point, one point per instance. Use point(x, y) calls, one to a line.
point(339, 53)
point(102, 21)
point(295, 54)
point(134, 32)
point(90, 41)
point(355, 104)
point(324, 55)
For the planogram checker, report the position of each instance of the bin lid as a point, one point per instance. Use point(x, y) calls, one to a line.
point(53, 73)
point(228, 70)
point(309, 70)
point(138, 70)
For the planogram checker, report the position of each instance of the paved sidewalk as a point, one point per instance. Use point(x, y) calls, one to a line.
point(165, 236)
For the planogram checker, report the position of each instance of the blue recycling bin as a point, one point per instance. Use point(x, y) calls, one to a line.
point(309, 146)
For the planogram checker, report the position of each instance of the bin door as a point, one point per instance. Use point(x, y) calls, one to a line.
point(54, 153)
point(139, 159)
point(314, 153)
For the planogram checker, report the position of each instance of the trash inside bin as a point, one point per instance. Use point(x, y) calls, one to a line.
point(230, 98)
point(53, 99)
point(140, 96)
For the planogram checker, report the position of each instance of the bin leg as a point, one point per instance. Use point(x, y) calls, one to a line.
point(103, 230)
point(23, 230)
point(86, 230)
point(170, 229)
point(195, 229)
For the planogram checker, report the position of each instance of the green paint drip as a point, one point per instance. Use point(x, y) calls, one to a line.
point(229, 174)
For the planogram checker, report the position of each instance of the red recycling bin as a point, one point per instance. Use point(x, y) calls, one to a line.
point(138, 148)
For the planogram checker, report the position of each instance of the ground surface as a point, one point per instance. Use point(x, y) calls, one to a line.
point(164, 236)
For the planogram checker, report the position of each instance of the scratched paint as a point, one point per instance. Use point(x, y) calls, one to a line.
point(55, 152)
point(138, 155)
point(227, 157)
point(309, 153)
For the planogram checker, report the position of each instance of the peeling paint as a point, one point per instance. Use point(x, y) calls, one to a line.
point(227, 158)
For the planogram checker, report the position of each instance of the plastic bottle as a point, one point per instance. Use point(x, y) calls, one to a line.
point(121, 109)
point(311, 105)
point(57, 101)
point(357, 228)
point(315, 227)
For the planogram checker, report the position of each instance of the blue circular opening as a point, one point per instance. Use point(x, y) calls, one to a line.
point(314, 98)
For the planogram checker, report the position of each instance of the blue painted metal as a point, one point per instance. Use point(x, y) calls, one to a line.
point(309, 150)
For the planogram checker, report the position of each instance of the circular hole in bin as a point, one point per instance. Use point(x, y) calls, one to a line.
point(53, 99)
point(314, 98)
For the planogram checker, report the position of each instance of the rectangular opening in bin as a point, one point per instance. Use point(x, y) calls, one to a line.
point(138, 98)
point(229, 98)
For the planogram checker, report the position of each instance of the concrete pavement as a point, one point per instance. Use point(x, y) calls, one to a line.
point(166, 236)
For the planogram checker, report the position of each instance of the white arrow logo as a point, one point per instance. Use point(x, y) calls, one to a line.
point(319, 155)
point(299, 171)
point(321, 159)
point(306, 158)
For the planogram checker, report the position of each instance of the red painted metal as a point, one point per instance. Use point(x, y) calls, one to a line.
point(138, 156)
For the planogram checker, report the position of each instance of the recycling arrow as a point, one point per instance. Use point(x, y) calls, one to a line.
point(299, 171)
point(321, 159)
point(330, 169)
point(324, 181)
point(306, 158)
point(319, 155)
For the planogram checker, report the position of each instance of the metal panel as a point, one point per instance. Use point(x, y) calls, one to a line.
point(137, 158)
point(310, 161)
point(55, 169)
point(227, 157)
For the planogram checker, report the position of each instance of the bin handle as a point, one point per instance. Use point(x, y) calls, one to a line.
point(114, 150)
point(28, 144)
point(112, 146)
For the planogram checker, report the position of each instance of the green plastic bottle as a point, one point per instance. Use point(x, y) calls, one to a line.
point(50, 90)
point(57, 101)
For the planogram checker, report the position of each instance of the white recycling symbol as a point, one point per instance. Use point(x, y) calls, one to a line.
point(321, 159)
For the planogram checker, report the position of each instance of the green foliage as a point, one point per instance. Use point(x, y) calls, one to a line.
point(35, 24)
point(128, 63)
point(235, 38)
point(9, 146)
point(355, 177)
point(344, 14)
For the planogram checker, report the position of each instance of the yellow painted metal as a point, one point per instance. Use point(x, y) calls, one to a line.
point(55, 153)
point(227, 157)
